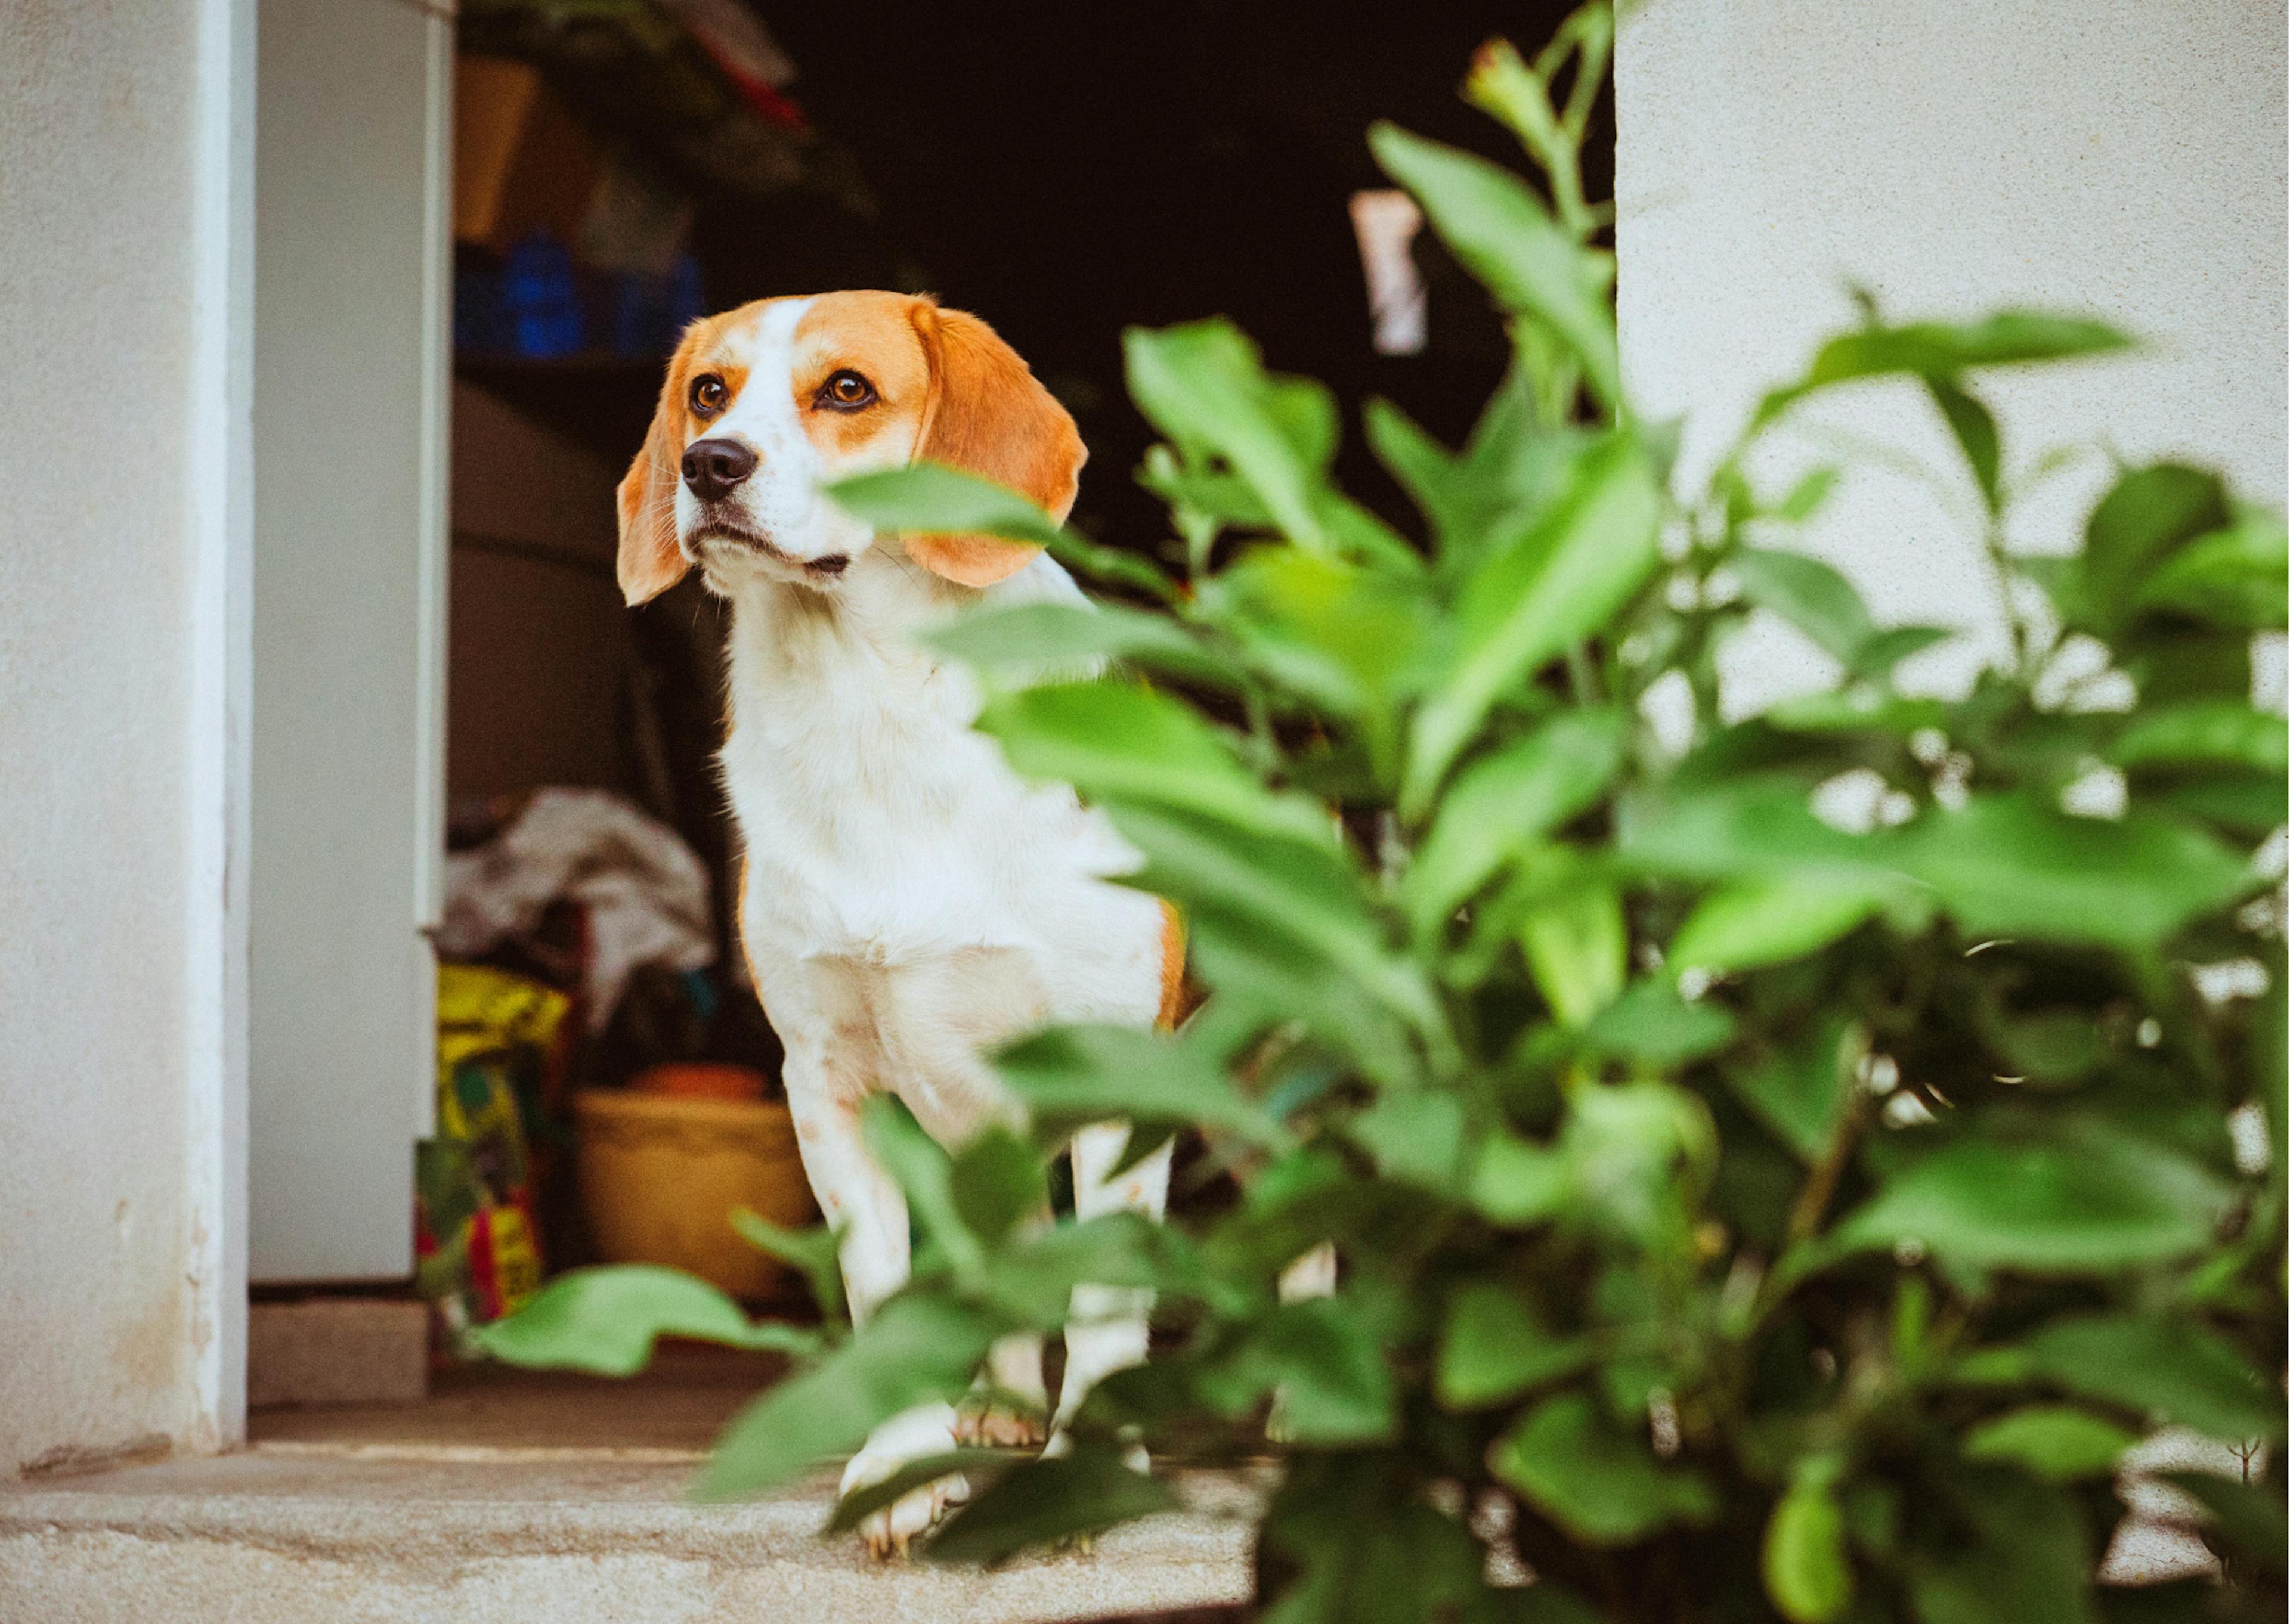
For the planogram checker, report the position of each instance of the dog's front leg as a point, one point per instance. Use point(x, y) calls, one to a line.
point(1106, 1328)
point(857, 1195)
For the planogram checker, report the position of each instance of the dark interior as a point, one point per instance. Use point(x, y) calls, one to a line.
point(1067, 171)
point(1064, 171)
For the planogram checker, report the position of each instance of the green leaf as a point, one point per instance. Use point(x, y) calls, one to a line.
point(604, 1321)
point(1807, 497)
point(1363, 538)
point(1432, 475)
point(2167, 1371)
point(816, 1252)
point(2135, 526)
point(2246, 1519)
point(2234, 577)
point(1344, 635)
point(1323, 1360)
point(2252, 803)
point(2177, 662)
point(916, 1349)
point(1416, 1136)
point(1742, 826)
point(1119, 742)
point(1227, 499)
point(1047, 1499)
point(1034, 1279)
point(2087, 1204)
point(1577, 946)
point(1518, 1183)
point(1887, 649)
point(1601, 1486)
point(1942, 350)
point(1638, 1156)
point(1517, 461)
point(2058, 1442)
point(921, 1167)
point(1496, 1347)
point(2024, 1556)
point(1204, 386)
point(1262, 980)
point(1975, 433)
point(1809, 595)
point(1798, 1093)
point(1087, 558)
point(1070, 1077)
point(2055, 1046)
point(1770, 920)
point(1343, 1542)
point(1651, 1025)
point(1529, 601)
point(1503, 237)
point(1031, 640)
point(999, 1183)
point(1862, 708)
point(856, 1507)
point(2209, 731)
point(931, 496)
point(1502, 802)
point(1287, 907)
point(2011, 866)
point(1806, 1570)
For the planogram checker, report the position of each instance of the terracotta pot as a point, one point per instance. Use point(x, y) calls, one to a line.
point(701, 1080)
point(661, 1177)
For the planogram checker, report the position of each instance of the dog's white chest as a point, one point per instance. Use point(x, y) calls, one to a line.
point(877, 826)
point(903, 883)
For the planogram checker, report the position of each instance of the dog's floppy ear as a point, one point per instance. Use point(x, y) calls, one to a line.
point(651, 560)
point(988, 415)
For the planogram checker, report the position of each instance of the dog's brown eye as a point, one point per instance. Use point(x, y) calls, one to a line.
point(846, 391)
point(709, 393)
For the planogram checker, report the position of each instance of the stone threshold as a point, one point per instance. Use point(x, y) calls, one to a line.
point(303, 1533)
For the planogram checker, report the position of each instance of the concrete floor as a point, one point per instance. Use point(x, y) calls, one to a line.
point(671, 1412)
point(511, 1497)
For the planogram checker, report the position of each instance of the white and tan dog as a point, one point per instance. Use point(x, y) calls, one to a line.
point(908, 899)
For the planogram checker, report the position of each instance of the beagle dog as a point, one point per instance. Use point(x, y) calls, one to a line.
point(907, 901)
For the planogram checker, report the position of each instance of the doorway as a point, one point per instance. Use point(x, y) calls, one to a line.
point(475, 251)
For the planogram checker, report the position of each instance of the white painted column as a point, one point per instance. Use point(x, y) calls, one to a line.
point(351, 367)
point(2115, 157)
point(125, 226)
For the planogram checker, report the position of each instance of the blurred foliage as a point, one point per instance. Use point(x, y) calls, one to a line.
point(1778, 1163)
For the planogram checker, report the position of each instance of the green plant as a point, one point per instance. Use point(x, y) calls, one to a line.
point(1745, 1207)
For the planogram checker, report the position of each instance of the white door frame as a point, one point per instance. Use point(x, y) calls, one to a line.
point(220, 453)
point(352, 381)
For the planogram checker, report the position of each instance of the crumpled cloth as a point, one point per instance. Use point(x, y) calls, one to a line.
point(646, 894)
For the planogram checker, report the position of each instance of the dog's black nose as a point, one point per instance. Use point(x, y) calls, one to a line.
point(712, 468)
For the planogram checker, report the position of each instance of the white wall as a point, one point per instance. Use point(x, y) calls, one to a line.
point(2119, 158)
point(351, 361)
point(124, 159)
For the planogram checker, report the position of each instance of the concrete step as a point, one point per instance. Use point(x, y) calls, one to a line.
point(305, 1532)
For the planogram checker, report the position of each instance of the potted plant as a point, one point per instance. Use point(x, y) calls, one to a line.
point(1780, 1162)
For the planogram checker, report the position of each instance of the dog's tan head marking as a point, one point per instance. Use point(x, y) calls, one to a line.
point(765, 405)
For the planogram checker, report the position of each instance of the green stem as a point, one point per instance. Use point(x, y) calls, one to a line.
point(2015, 624)
point(1582, 677)
point(1813, 1201)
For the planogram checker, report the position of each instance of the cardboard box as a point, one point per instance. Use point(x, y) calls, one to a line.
point(337, 1350)
point(522, 162)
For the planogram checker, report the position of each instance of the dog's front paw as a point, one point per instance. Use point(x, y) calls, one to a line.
point(916, 1434)
point(988, 1425)
point(1133, 1453)
point(892, 1531)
